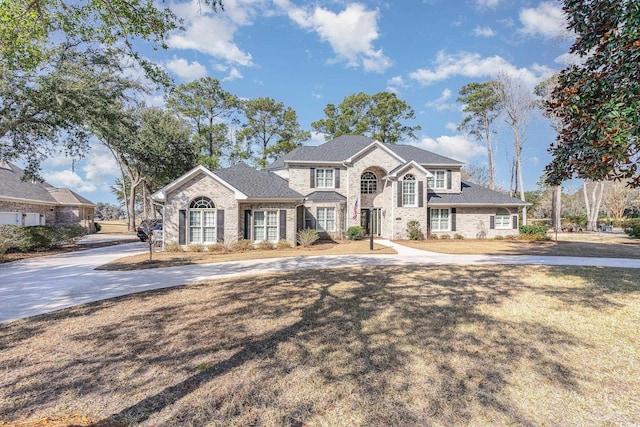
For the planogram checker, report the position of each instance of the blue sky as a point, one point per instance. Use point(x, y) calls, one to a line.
point(310, 54)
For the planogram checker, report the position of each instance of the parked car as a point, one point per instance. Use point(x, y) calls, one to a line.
point(148, 226)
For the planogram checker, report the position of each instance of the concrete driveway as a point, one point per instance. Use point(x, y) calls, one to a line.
point(41, 285)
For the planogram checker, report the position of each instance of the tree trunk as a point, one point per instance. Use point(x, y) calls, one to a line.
point(519, 178)
point(556, 208)
point(492, 172)
point(592, 204)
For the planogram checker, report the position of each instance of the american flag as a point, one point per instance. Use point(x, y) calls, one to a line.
point(355, 209)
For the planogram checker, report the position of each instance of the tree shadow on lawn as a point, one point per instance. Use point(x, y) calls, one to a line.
point(365, 346)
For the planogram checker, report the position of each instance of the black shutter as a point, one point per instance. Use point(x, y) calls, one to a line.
point(492, 222)
point(399, 193)
point(283, 224)
point(420, 195)
point(449, 180)
point(182, 219)
point(247, 224)
point(337, 176)
point(428, 222)
point(515, 222)
point(312, 177)
point(220, 226)
point(453, 219)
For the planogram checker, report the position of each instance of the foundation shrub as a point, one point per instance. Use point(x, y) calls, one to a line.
point(355, 232)
point(307, 237)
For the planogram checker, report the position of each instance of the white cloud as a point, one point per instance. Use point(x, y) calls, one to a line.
point(547, 20)
point(487, 3)
point(483, 32)
point(440, 104)
point(395, 84)
point(68, 179)
point(100, 166)
point(316, 139)
point(185, 70)
point(473, 65)
point(234, 74)
point(567, 59)
point(458, 147)
point(453, 127)
point(210, 33)
point(350, 33)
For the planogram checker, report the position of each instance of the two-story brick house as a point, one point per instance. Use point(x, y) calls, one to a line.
point(351, 180)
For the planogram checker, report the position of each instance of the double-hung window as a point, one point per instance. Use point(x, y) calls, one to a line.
point(202, 221)
point(325, 178)
point(503, 219)
point(409, 190)
point(439, 219)
point(326, 219)
point(265, 226)
point(439, 180)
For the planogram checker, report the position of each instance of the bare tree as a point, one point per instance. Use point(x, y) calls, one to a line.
point(618, 197)
point(545, 90)
point(592, 192)
point(517, 102)
point(478, 174)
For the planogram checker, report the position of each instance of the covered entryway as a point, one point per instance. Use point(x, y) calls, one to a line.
point(370, 221)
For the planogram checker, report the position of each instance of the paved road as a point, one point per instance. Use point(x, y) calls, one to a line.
point(41, 285)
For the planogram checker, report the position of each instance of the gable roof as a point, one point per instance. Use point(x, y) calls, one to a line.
point(245, 181)
point(345, 147)
point(257, 184)
point(325, 197)
point(473, 195)
point(12, 187)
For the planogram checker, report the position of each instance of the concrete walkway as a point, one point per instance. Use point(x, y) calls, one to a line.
point(41, 285)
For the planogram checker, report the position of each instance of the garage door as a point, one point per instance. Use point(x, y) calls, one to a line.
point(12, 218)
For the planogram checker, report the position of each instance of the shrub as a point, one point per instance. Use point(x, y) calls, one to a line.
point(70, 233)
point(283, 244)
point(97, 226)
point(534, 237)
point(445, 237)
point(265, 245)
point(632, 228)
point(499, 237)
point(173, 247)
point(307, 237)
point(433, 236)
point(14, 237)
point(413, 230)
point(242, 245)
point(355, 232)
point(195, 247)
point(458, 236)
point(533, 232)
point(216, 247)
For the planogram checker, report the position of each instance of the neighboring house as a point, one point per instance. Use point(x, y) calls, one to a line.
point(351, 180)
point(34, 203)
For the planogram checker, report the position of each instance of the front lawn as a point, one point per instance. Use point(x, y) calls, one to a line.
point(375, 346)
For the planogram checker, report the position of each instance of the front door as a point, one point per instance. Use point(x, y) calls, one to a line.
point(370, 221)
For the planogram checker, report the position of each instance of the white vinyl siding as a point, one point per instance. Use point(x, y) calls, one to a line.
point(326, 219)
point(439, 219)
point(325, 178)
point(265, 226)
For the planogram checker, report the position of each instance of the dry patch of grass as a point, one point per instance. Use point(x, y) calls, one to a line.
point(173, 259)
point(409, 345)
point(582, 246)
point(115, 226)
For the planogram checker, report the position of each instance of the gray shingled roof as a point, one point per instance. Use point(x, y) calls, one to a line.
point(423, 157)
point(345, 146)
point(326, 196)
point(258, 184)
point(64, 196)
point(12, 185)
point(473, 194)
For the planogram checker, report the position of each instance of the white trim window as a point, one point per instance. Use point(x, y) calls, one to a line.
point(265, 226)
point(409, 190)
point(503, 219)
point(325, 178)
point(202, 221)
point(440, 219)
point(368, 183)
point(326, 219)
point(440, 180)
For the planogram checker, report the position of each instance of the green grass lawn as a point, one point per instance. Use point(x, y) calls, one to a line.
point(401, 346)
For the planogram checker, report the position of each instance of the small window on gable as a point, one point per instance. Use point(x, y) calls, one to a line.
point(368, 183)
point(409, 190)
point(503, 219)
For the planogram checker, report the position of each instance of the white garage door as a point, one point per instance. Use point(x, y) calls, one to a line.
point(12, 218)
point(31, 219)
